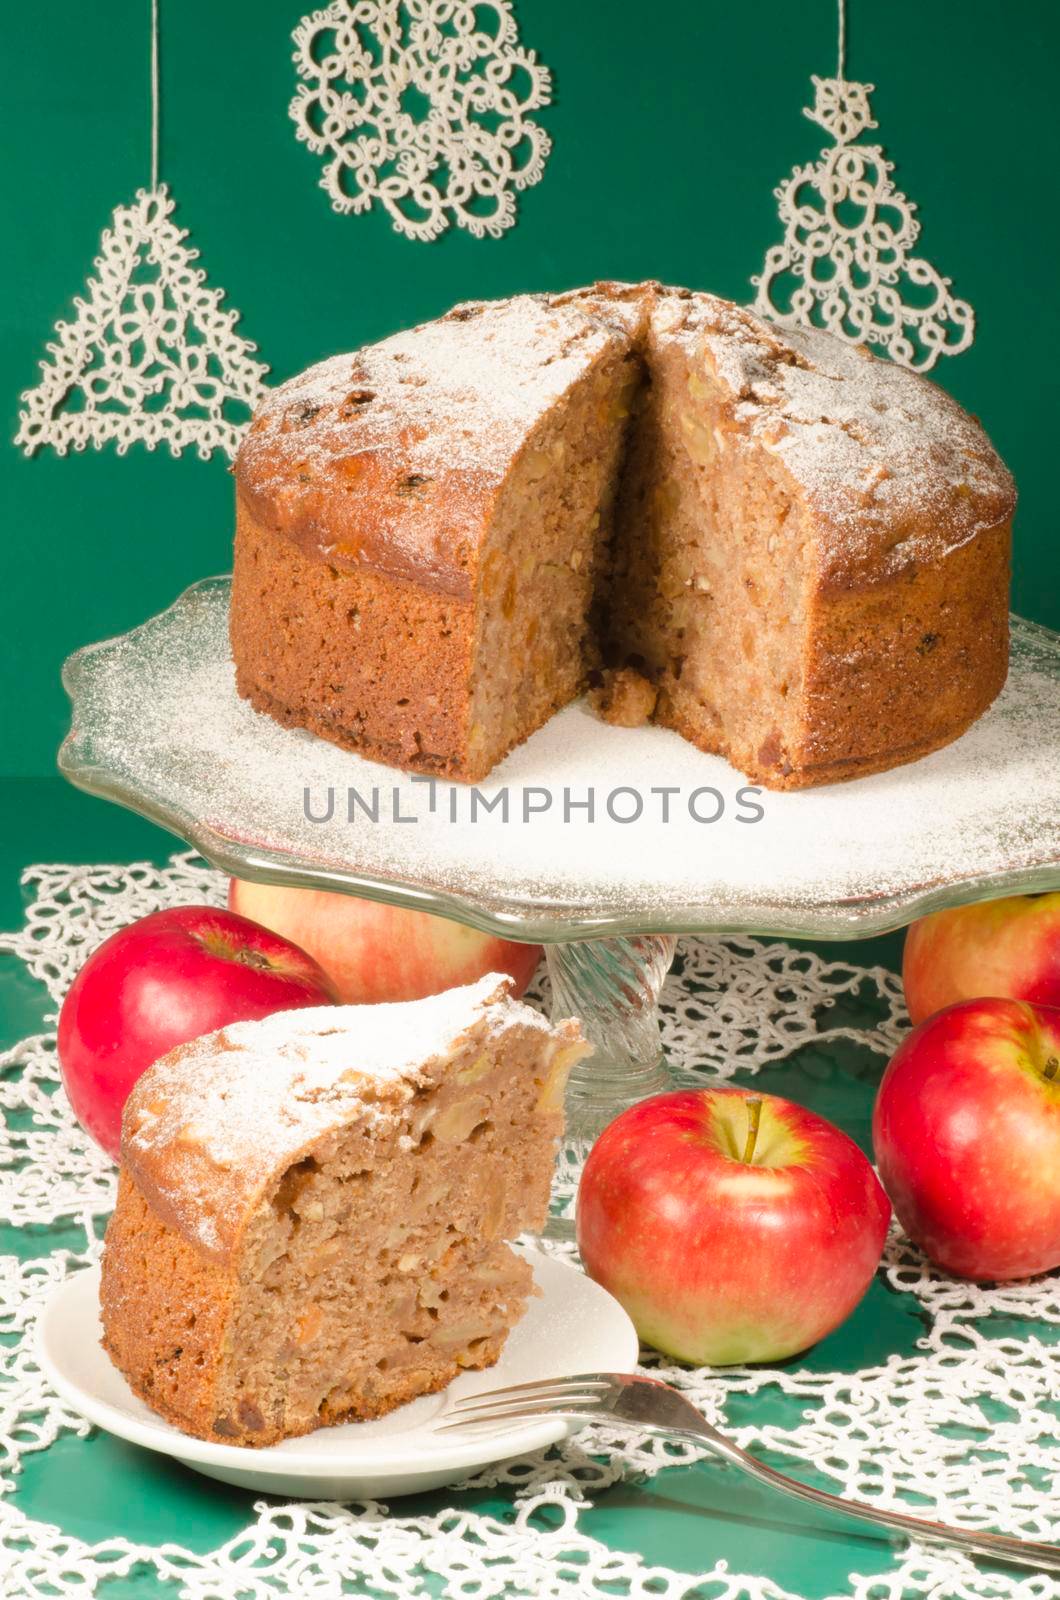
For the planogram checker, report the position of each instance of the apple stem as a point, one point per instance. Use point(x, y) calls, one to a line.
point(754, 1117)
point(253, 958)
point(1052, 1067)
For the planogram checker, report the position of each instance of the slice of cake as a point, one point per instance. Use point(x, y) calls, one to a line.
point(313, 1209)
point(812, 550)
point(421, 530)
point(796, 554)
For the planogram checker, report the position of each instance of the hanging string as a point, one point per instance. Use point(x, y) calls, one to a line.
point(154, 94)
point(842, 40)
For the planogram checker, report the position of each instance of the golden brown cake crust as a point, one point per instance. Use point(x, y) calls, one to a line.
point(390, 460)
point(367, 486)
point(895, 473)
point(312, 1209)
point(165, 1312)
point(892, 674)
point(164, 1307)
point(375, 663)
point(211, 1126)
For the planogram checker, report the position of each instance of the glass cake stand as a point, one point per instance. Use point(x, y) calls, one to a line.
point(604, 844)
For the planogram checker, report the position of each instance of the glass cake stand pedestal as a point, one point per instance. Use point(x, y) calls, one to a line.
point(603, 844)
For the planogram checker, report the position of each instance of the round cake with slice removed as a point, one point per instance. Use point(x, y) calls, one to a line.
point(795, 554)
point(313, 1209)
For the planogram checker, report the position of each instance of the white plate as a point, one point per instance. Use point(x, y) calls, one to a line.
point(572, 1326)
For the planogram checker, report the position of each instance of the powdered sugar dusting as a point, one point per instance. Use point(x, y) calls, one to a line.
point(343, 455)
point(452, 397)
point(390, 458)
point(212, 1122)
point(159, 722)
point(895, 471)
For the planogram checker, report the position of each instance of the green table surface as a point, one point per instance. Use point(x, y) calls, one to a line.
point(684, 1518)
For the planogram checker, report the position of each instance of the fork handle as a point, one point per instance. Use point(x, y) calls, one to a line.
point(997, 1546)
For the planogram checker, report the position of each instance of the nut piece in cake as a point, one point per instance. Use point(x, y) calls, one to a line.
point(312, 1209)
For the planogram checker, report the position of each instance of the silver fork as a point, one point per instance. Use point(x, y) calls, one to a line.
point(631, 1401)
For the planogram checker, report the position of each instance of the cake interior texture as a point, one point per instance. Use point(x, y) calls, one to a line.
point(801, 551)
point(371, 1268)
point(710, 582)
point(544, 563)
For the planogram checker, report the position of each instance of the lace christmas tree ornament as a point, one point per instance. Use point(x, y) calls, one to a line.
point(846, 262)
point(422, 106)
point(151, 357)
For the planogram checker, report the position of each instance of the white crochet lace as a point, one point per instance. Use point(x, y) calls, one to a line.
point(423, 108)
point(846, 261)
point(152, 354)
point(964, 1430)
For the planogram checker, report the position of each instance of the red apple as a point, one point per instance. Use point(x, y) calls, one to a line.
point(967, 1137)
point(374, 952)
point(165, 979)
point(732, 1226)
point(1007, 947)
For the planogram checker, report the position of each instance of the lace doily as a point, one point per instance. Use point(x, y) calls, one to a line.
point(848, 239)
point(423, 106)
point(964, 1429)
point(152, 356)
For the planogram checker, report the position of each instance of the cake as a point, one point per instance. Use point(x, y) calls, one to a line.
point(313, 1209)
point(791, 552)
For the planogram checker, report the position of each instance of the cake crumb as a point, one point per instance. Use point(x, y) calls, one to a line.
point(625, 698)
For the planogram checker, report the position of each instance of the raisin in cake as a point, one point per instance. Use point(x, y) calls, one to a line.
point(312, 1209)
point(800, 551)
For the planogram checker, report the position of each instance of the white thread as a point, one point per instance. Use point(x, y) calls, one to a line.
point(154, 94)
point(841, 69)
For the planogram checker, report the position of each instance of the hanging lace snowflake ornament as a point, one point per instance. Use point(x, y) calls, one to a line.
point(845, 263)
point(423, 106)
point(151, 356)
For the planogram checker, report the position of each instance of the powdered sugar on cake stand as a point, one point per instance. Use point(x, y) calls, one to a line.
point(678, 841)
point(158, 724)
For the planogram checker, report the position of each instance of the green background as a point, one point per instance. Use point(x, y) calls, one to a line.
point(671, 125)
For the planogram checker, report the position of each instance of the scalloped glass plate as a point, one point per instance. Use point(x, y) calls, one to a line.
point(676, 841)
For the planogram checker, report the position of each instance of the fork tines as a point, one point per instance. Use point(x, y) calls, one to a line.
point(527, 1400)
point(544, 1388)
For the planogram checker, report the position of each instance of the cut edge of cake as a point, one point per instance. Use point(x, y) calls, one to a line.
point(845, 527)
point(313, 1210)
